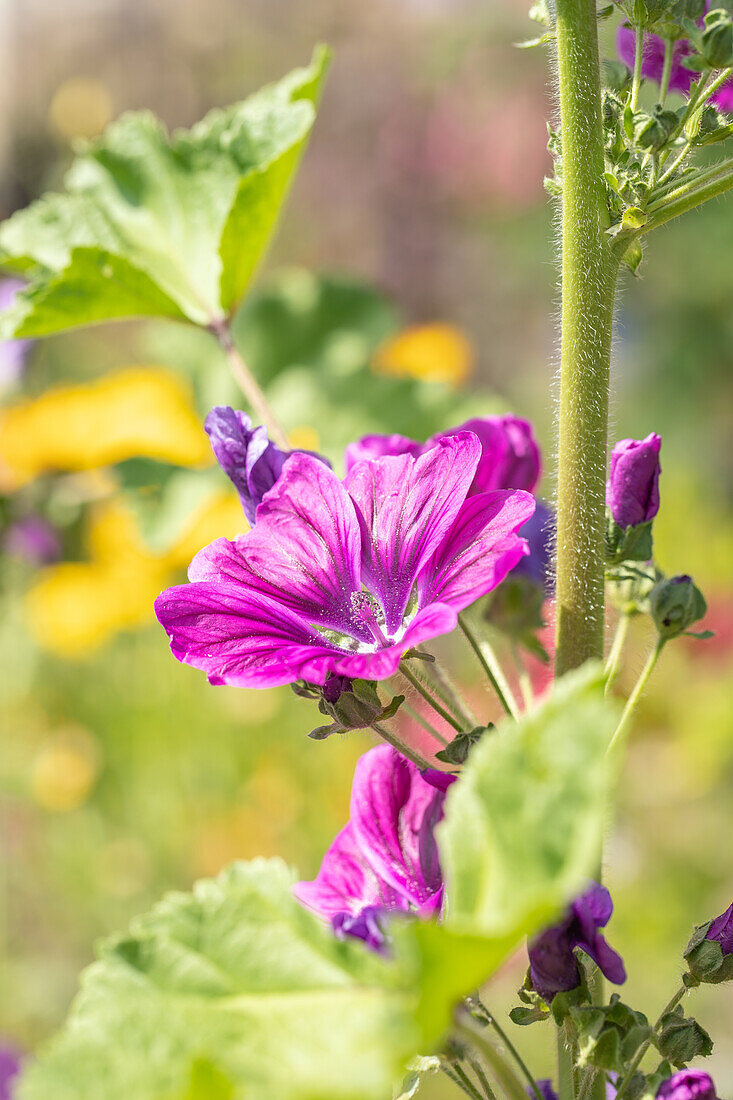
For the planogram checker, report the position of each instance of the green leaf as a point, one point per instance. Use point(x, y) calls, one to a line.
point(523, 824)
point(161, 226)
point(232, 991)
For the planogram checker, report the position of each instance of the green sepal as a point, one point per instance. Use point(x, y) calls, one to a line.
point(705, 959)
point(627, 543)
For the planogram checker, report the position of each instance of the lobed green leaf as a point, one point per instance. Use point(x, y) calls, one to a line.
point(157, 225)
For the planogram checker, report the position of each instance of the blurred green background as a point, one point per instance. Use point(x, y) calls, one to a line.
point(412, 284)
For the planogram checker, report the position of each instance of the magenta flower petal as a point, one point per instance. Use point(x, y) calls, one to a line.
point(688, 1084)
point(510, 455)
point(379, 446)
point(394, 812)
point(345, 883)
point(479, 550)
point(723, 98)
point(407, 506)
point(238, 637)
point(386, 859)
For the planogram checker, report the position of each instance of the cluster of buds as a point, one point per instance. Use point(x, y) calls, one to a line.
point(636, 584)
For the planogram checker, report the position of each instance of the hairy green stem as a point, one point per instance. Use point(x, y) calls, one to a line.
point(401, 746)
point(666, 70)
point(430, 699)
point(444, 686)
point(589, 272)
point(669, 1007)
point(460, 1080)
point(500, 1068)
point(248, 384)
point(493, 1022)
point(491, 666)
point(427, 726)
point(633, 699)
point(565, 1076)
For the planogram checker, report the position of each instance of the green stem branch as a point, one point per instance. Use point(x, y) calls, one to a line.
point(249, 385)
point(429, 698)
point(565, 1076)
point(491, 666)
point(589, 272)
point(638, 61)
point(666, 70)
point(401, 746)
point(502, 1071)
point(633, 699)
point(669, 1007)
point(617, 647)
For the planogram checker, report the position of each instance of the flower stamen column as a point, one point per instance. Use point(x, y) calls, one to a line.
point(589, 271)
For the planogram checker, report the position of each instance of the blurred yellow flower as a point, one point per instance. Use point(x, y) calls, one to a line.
point(81, 107)
point(64, 770)
point(73, 607)
point(304, 438)
point(431, 353)
point(137, 411)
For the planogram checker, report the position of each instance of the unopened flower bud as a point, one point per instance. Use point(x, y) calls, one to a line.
point(709, 954)
point(353, 704)
point(654, 131)
point(716, 40)
point(632, 489)
point(675, 604)
point(681, 1038)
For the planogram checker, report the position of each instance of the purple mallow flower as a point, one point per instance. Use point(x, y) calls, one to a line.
point(510, 455)
point(632, 489)
point(553, 965)
point(246, 455)
point(386, 859)
point(687, 1084)
point(343, 577)
point(681, 78)
point(10, 1066)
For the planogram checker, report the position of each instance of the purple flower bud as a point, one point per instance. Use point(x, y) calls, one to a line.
point(722, 930)
point(632, 489)
point(246, 455)
point(688, 1084)
point(335, 686)
point(10, 1066)
point(552, 961)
